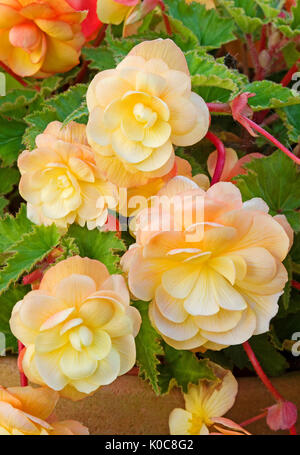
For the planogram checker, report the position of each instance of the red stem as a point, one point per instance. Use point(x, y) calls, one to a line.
point(15, 76)
point(293, 431)
point(165, 17)
point(263, 39)
point(219, 107)
point(260, 372)
point(254, 419)
point(296, 285)
point(288, 77)
point(272, 139)
point(101, 35)
point(221, 157)
point(23, 378)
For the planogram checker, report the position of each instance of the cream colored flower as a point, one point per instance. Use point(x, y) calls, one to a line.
point(78, 328)
point(138, 110)
point(61, 182)
point(211, 265)
point(205, 404)
point(25, 410)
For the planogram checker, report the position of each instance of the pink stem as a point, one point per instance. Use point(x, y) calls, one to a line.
point(221, 157)
point(23, 378)
point(254, 56)
point(15, 76)
point(253, 419)
point(260, 372)
point(272, 139)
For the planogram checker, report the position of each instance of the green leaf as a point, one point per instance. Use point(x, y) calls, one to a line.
point(32, 248)
point(148, 348)
point(65, 103)
point(245, 14)
point(103, 246)
point(211, 30)
point(101, 58)
point(271, 8)
point(13, 228)
point(37, 122)
point(182, 368)
point(275, 179)
point(9, 176)
point(11, 132)
point(206, 72)
point(80, 115)
point(270, 95)
point(290, 116)
point(16, 102)
point(3, 203)
point(291, 54)
point(7, 301)
point(59, 107)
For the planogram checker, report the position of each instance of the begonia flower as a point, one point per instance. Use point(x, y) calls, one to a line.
point(60, 180)
point(210, 264)
point(205, 404)
point(25, 411)
point(115, 11)
point(139, 110)
point(40, 38)
point(78, 328)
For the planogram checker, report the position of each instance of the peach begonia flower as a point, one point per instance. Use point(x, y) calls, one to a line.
point(138, 110)
point(209, 4)
point(78, 328)
point(25, 410)
point(233, 165)
point(205, 404)
point(115, 11)
point(60, 180)
point(40, 38)
point(211, 265)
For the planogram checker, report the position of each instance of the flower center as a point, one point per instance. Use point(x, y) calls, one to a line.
point(63, 182)
point(196, 423)
point(144, 114)
point(81, 337)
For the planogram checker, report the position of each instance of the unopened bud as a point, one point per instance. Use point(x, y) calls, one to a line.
point(274, 39)
point(264, 59)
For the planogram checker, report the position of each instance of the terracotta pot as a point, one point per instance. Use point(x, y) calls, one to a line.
point(129, 406)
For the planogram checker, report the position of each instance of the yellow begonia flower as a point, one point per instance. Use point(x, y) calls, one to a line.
point(78, 328)
point(205, 404)
point(114, 12)
point(40, 38)
point(24, 411)
point(209, 4)
point(211, 265)
point(61, 182)
point(138, 110)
